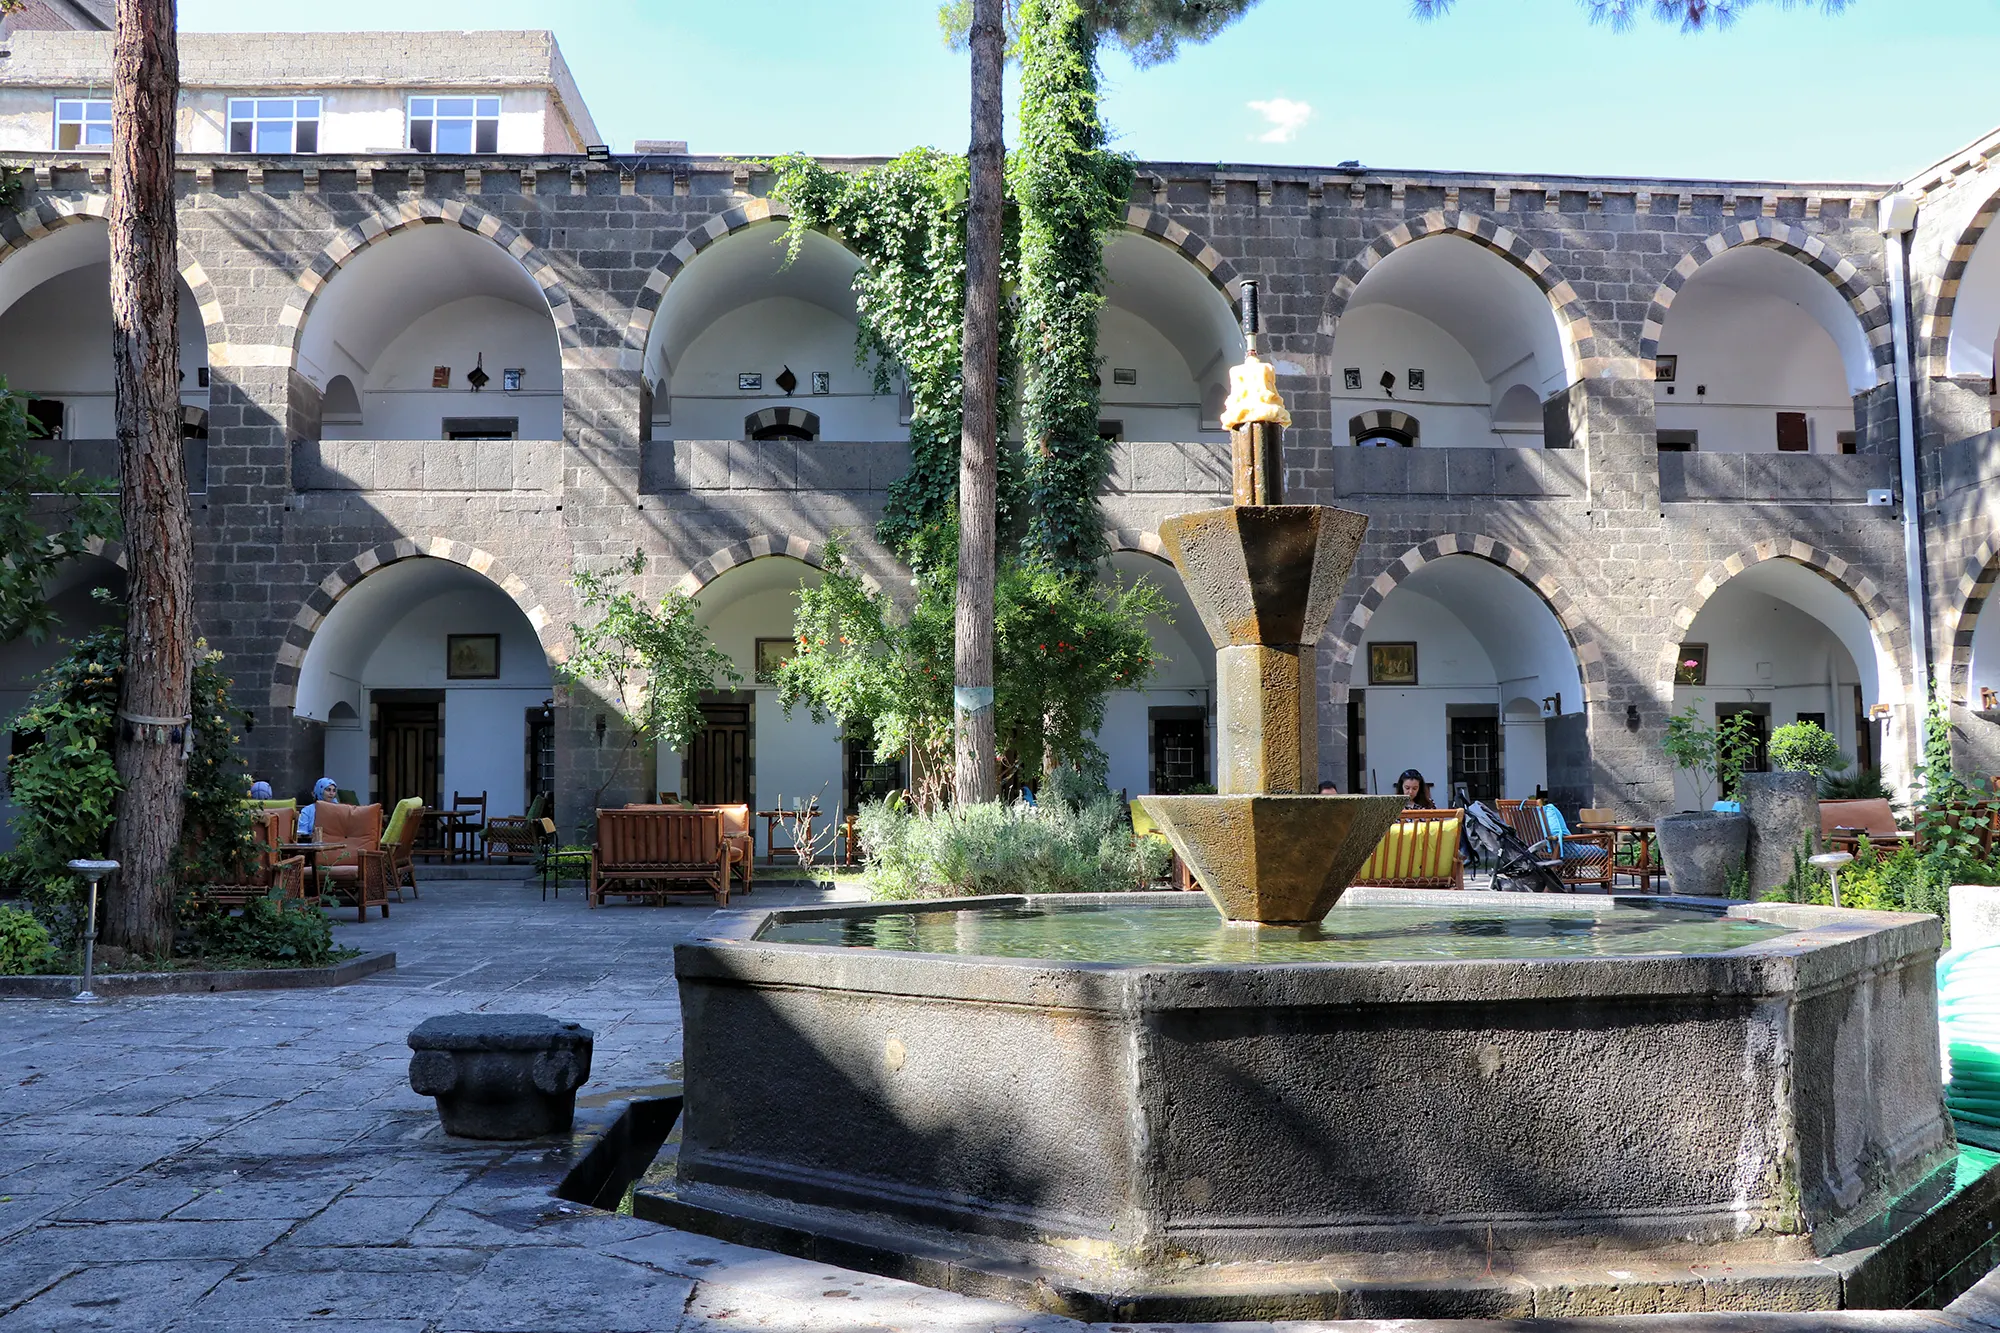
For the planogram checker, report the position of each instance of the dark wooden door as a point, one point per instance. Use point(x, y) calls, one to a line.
point(1180, 751)
point(1475, 750)
point(407, 747)
point(718, 764)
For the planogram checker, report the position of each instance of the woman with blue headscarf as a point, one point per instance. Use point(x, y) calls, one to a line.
point(326, 789)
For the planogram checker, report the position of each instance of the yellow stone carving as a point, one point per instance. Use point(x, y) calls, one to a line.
point(1253, 396)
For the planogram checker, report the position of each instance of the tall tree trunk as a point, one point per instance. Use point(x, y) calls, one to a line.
point(145, 350)
point(978, 468)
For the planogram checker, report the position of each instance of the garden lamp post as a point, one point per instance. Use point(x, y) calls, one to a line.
point(92, 871)
point(1831, 862)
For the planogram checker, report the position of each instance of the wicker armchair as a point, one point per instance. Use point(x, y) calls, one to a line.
point(517, 836)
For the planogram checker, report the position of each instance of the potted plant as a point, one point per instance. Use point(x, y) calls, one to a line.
point(1783, 805)
point(1703, 849)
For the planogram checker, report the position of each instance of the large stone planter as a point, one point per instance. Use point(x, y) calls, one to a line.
point(1702, 850)
point(1783, 810)
point(500, 1076)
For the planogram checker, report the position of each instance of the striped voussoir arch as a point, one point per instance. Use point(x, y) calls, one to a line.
point(1220, 273)
point(1361, 427)
point(1589, 656)
point(761, 547)
point(380, 226)
point(321, 601)
point(1888, 628)
point(51, 213)
point(794, 418)
point(1975, 584)
point(1854, 288)
point(1118, 540)
point(1580, 346)
point(1934, 344)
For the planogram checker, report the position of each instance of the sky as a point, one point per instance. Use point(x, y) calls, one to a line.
point(1872, 94)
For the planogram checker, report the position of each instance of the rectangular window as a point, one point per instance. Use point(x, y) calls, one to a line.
point(1847, 440)
point(274, 124)
point(482, 428)
point(455, 124)
point(1679, 441)
point(83, 122)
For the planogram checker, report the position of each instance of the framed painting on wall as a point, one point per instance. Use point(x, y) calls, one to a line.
point(772, 654)
point(1392, 664)
point(1691, 667)
point(472, 657)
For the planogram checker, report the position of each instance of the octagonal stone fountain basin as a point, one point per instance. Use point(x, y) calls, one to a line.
point(1091, 1103)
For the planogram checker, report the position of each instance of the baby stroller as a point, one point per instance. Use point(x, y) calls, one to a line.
point(1516, 868)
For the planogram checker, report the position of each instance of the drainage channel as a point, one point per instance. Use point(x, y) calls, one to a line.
point(622, 1149)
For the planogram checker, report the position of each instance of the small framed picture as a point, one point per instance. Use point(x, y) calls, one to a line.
point(1665, 368)
point(772, 654)
point(1691, 667)
point(1416, 380)
point(1350, 379)
point(440, 377)
point(750, 380)
point(472, 657)
point(822, 381)
point(1392, 664)
point(510, 379)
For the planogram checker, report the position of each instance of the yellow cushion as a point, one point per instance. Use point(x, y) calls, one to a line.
point(405, 810)
point(1411, 850)
point(1142, 823)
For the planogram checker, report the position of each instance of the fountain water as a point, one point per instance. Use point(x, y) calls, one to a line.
point(1379, 1102)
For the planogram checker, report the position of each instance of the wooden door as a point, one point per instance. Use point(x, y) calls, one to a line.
point(1475, 745)
point(407, 750)
point(718, 763)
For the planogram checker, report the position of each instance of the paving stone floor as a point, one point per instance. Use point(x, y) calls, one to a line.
point(256, 1162)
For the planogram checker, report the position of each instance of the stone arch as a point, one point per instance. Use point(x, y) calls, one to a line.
point(1891, 634)
point(51, 213)
point(1855, 289)
point(1975, 584)
point(321, 601)
point(1220, 272)
point(794, 418)
point(1572, 321)
point(1934, 346)
point(1141, 543)
point(419, 213)
point(1401, 423)
point(802, 549)
point(1582, 642)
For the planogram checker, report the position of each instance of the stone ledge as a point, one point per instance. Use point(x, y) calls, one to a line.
point(199, 983)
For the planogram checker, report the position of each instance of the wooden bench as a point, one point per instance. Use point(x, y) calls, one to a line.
point(660, 852)
point(1420, 851)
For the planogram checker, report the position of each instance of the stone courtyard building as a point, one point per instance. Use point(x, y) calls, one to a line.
point(1626, 444)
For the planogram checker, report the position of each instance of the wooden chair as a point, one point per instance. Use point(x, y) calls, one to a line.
point(1420, 851)
point(265, 873)
point(399, 841)
point(742, 841)
point(517, 835)
point(657, 853)
point(344, 832)
point(1578, 867)
point(1842, 825)
point(472, 829)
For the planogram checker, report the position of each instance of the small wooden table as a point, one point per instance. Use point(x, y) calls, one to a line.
point(772, 818)
point(1645, 869)
point(455, 829)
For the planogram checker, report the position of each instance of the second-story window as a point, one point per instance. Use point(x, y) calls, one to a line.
point(274, 124)
point(455, 124)
point(83, 123)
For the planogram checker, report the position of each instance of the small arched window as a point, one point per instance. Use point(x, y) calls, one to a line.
point(781, 423)
point(1383, 430)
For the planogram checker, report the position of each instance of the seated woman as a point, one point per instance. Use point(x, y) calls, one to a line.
point(326, 789)
point(1416, 793)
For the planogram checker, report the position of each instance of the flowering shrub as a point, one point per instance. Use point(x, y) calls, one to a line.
point(965, 851)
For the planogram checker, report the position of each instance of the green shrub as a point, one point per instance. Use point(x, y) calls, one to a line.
point(268, 930)
point(65, 788)
point(24, 943)
point(965, 851)
point(1862, 784)
point(1806, 747)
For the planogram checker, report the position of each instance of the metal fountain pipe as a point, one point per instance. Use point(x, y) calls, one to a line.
point(1258, 420)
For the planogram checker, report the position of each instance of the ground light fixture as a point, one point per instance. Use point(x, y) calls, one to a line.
point(1831, 862)
point(92, 871)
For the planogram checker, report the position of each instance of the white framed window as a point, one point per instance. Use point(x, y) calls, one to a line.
point(274, 124)
point(83, 122)
point(455, 124)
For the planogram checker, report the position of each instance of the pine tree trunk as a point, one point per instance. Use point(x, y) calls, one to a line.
point(978, 468)
point(145, 349)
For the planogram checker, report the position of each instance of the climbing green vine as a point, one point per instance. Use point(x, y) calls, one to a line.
point(906, 220)
point(1071, 192)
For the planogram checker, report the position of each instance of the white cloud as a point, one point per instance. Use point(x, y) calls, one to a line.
point(1286, 116)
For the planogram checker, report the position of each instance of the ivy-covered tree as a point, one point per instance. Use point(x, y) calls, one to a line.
point(46, 520)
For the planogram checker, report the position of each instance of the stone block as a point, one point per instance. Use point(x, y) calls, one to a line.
point(1515, 472)
point(490, 464)
point(500, 1076)
point(1157, 468)
point(887, 462)
point(763, 465)
point(833, 467)
point(1786, 477)
point(1427, 471)
point(444, 467)
point(398, 465)
point(1712, 476)
point(1205, 468)
point(1467, 471)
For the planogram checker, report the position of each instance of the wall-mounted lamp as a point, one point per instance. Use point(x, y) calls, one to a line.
point(1552, 706)
point(1631, 717)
